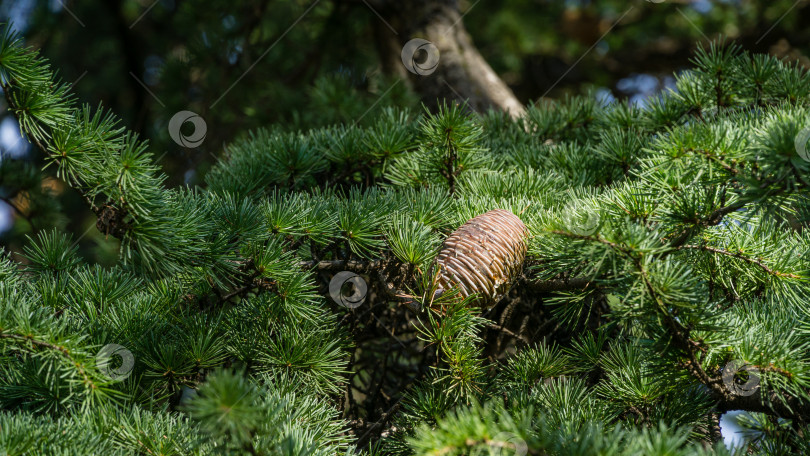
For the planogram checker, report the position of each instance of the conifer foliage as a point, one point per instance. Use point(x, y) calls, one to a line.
point(665, 281)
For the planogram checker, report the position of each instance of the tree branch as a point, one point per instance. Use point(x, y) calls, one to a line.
point(740, 256)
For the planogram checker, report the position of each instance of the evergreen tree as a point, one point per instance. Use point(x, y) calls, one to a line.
point(665, 281)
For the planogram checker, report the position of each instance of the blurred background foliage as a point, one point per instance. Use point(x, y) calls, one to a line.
point(296, 64)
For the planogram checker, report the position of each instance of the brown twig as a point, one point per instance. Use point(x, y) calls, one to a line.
point(740, 256)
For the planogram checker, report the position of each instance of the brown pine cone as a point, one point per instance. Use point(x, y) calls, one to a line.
point(483, 257)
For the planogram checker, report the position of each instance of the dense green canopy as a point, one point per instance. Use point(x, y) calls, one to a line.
point(667, 249)
point(249, 64)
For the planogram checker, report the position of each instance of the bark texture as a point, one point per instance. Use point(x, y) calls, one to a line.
point(462, 73)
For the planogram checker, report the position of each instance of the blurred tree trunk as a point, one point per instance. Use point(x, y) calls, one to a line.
point(462, 73)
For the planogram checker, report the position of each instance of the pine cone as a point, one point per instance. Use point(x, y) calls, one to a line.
point(484, 256)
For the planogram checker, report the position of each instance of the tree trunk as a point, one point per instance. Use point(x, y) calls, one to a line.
point(461, 75)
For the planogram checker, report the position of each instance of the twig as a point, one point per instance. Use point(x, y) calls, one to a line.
point(383, 419)
point(740, 256)
point(493, 325)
